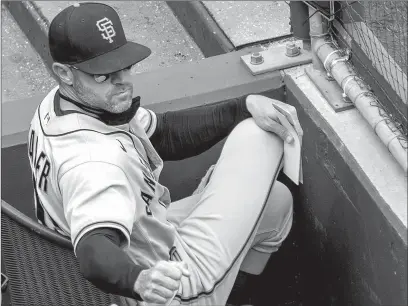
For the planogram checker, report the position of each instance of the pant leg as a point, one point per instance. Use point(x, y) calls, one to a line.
point(274, 227)
point(219, 230)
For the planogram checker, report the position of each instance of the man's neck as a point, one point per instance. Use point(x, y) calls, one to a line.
point(70, 93)
point(108, 118)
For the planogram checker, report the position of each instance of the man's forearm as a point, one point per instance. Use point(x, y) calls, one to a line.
point(105, 264)
point(189, 132)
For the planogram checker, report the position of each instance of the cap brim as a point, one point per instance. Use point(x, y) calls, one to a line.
point(118, 59)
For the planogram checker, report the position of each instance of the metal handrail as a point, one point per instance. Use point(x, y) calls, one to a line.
point(34, 226)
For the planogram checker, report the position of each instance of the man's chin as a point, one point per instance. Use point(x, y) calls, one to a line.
point(121, 105)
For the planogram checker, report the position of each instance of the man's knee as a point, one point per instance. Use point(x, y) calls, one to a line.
point(247, 133)
point(248, 128)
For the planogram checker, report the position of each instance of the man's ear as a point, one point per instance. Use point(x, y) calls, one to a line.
point(63, 72)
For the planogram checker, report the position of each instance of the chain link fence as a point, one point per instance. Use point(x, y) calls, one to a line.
point(376, 34)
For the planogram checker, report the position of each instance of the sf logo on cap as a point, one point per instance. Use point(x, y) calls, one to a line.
point(106, 27)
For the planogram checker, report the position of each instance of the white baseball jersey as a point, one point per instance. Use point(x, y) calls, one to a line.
point(88, 175)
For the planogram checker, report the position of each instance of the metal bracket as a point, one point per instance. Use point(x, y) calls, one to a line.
point(276, 59)
point(330, 90)
point(331, 17)
point(4, 282)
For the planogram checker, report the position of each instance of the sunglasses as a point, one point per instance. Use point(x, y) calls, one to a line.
point(101, 78)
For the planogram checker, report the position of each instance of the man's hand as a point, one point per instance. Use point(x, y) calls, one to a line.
point(159, 283)
point(264, 109)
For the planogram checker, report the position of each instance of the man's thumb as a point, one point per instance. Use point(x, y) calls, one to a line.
point(184, 268)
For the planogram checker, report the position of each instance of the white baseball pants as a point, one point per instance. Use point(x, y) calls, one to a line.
point(239, 219)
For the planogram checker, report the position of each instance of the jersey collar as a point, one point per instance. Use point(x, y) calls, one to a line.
point(105, 116)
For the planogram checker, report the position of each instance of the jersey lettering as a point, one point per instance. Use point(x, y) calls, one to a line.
point(41, 165)
point(143, 162)
point(147, 198)
point(32, 152)
point(47, 118)
point(151, 183)
point(42, 182)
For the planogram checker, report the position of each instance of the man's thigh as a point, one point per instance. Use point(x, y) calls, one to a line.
point(181, 209)
point(218, 225)
point(231, 206)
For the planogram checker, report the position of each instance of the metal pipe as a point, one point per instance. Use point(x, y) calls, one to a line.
point(299, 22)
point(318, 29)
point(363, 98)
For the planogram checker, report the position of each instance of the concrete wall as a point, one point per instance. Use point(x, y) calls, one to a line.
point(352, 254)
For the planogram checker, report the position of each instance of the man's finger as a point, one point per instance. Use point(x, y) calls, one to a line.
point(169, 283)
point(185, 271)
point(183, 268)
point(293, 119)
point(279, 130)
point(163, 292)
point(154, 298)
point(290, 114)
point(175, 269)
point(170, 270)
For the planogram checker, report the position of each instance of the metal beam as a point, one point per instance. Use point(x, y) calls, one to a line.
point(181, 86)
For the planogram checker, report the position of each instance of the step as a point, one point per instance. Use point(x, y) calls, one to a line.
point(246, 22)
point(224, 26)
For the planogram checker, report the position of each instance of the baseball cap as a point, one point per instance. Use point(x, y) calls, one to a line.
point(90, 37)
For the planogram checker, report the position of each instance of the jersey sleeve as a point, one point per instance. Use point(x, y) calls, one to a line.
point(95, 195)
point(148, 119)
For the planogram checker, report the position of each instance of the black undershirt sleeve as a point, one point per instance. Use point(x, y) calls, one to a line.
point(105, 264)
point(189, 132)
